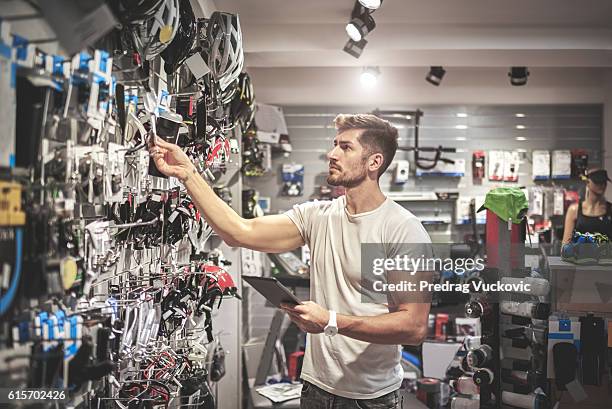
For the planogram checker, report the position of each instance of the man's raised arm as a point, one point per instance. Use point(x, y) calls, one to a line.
point(272, 234)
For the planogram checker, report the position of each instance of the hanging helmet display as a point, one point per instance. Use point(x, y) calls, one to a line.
point(180, 48)
point(131, 11)
point(131, 274)
point(224, 54)
point(242, 109)
point(230, 92)
point(154, 34)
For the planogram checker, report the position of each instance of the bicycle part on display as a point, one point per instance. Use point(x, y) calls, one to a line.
point(421, 162)
point(113, 279)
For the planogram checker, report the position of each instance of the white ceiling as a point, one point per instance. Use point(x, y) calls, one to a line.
point(481, 33)
point(294, 50)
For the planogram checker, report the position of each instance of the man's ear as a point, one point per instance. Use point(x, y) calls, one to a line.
point(375, 161)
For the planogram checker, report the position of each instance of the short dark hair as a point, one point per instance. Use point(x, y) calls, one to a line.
point(378, 135)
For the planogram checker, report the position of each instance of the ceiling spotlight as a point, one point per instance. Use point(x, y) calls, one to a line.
point(355, 48)
point(519, 115)
point(361, 24)
point(521, 138)
point(461, 115)
point(371, 4)
point(435, 75)
point(520, 127)
point(518, 76)
point(461, 138)
point(461, 127)
point(369, 76)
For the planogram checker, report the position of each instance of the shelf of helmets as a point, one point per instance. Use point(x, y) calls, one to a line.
point(92, 210)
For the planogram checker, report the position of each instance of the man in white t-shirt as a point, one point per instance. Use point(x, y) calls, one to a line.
point(353, 351)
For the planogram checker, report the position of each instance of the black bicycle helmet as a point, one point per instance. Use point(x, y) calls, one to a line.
point(133, 11)
point(180, 48)
point(154, 34)
point(242, 109)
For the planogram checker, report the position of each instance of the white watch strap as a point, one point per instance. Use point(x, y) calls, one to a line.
point(332, 319)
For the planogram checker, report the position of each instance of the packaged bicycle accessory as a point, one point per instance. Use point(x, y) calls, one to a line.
point(167, 126)
point(478, 166)
point(293, 179)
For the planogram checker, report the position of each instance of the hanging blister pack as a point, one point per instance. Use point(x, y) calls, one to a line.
point(115, 170)
point(293, 179)
point(558, 202)
point(102, 89)
point(124, 261)
point(24, 52)
point(7, 108)
point(90, 166)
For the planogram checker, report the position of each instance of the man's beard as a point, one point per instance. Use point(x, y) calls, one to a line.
point(347, 181)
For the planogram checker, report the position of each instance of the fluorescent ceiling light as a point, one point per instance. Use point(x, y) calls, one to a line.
point(520, 127)
point(461, 115)
point(519, 115)
point(461, 126)
point(461, 138)
point(521, 138)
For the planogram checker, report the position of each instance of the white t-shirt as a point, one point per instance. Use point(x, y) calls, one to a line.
point(341, 365)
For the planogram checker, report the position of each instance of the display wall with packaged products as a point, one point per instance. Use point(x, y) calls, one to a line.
point(374, 230)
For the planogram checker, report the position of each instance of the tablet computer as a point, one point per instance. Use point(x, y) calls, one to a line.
point(272, 290)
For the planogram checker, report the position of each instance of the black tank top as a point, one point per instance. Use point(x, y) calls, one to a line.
point(595, 224)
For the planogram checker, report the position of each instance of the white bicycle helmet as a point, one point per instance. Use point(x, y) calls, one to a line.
point(224, 54)
point(154, 34)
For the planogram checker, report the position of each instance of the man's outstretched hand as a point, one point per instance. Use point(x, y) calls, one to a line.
point(308, 316)
point(171, 160)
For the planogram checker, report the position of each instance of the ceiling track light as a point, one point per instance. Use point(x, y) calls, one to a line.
point(369, 76)
point(361, 24)
point(518, 76)
point(371, 4)
point(435, 75)
point(355, 48)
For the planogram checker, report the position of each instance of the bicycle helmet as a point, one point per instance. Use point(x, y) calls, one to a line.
point(131, 11)
point(224, 54)
point(180, 48)
point(242, 109)
point(227, 96)
point(154, 34)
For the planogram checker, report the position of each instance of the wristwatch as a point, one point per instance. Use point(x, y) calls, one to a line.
point(332, 327)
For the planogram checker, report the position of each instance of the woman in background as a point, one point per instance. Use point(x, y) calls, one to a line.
point(594, 213)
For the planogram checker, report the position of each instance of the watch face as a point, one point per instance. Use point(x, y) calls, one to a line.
point(330, 331)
